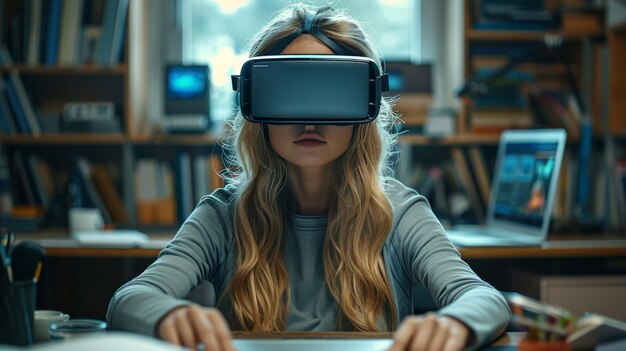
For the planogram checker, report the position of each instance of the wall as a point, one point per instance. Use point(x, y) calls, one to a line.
point(442, 42)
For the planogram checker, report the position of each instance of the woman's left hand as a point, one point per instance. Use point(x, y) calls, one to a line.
point(430, 332)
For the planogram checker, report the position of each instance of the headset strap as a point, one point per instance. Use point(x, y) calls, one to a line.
point(309, 28)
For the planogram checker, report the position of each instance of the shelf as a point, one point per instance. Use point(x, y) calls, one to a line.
point(79, 138)
point(454, 140)
point(479, 61)
point(210, 140)
point(202, 139)
point(63, 139)
point(621, 135)
point(474, 34)
point(63, 70)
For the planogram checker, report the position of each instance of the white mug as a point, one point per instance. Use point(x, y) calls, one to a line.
point(84, 219)
point(42, 319)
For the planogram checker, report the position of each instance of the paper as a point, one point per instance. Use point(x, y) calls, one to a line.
point(106, 342)
point(110, 238)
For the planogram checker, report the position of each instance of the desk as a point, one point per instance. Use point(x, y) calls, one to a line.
point(62, 246)
point(100, 271)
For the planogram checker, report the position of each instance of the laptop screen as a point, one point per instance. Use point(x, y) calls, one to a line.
point(523, 185)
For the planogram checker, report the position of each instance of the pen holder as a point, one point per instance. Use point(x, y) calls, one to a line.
point(17, 309)
point(537, 345)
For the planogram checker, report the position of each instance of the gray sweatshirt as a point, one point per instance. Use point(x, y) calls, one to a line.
point(417, 251)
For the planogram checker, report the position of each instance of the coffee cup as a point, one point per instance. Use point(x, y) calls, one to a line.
point(85, 219)
point(42, 319)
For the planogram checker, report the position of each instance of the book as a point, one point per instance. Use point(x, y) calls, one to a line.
point(108, 29)
point(25, 102)
point(110, 196)
point(85, 170)
point(201, 167)
point(33, 167)
point(117, 39)
point(184, 183)
point(461, 166)
point(70, 29)
point(6, 200)
point(53, 27)
point(551, 323)
point(35, 13)
point(16, 107)
point(480, 171)
point(592, 329)
point(7, 121)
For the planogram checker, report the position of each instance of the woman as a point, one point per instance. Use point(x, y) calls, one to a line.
point(311, 234)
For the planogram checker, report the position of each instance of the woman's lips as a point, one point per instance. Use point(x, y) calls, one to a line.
point(309, 139)
point(309, 136)
point(309, 142)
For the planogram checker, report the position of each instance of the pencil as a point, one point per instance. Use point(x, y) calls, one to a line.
point(37, 271)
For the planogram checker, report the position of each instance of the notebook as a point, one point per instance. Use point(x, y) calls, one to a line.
point(522, 192)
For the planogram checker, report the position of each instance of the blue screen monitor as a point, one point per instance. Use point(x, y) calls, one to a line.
point(187, 82)
point(187, 89)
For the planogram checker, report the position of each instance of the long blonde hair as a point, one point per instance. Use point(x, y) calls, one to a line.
point(359, 216)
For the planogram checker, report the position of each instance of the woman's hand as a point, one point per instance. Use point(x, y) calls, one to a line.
point(430, 332)
point(190, 325)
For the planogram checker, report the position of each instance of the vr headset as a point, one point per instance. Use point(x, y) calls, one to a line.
point(310, 89)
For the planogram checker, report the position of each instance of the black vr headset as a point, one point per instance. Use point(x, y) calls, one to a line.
point(310, 89)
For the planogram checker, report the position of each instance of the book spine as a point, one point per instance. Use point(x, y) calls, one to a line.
point(16, 106)
point(52, 32)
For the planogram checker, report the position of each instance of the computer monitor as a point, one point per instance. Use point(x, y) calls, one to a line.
point(186, 98)
point(186, 89)
point(406, 77)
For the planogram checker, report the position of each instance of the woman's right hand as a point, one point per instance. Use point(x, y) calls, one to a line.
point(189, 326)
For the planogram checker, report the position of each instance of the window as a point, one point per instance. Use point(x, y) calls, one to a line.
point(216, 32)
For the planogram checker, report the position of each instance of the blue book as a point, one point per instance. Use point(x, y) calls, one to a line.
point(6, 118)
point(52, 32)
point(108, 27)
point(118, 33)
point(183, 182)
point(18, 111)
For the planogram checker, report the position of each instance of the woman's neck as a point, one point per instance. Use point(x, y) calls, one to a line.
point(311, 187)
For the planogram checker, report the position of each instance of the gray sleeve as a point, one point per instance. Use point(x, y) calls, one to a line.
point(194, 255)
point(430, 257)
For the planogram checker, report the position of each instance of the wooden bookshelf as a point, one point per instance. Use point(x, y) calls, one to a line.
point(548, 73)
point(459, 139)
point(474, 34)
point(64, 70)
point(191, 140)
point(63, 139)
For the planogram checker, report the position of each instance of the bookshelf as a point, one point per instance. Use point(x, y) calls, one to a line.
point(123, 83)
point(490, 45)
point(108, 65)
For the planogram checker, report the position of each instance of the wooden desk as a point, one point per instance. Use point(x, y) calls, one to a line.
point(555, 248)
point(100, 271)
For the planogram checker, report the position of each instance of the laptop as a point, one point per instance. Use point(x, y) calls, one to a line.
point(522, 193)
